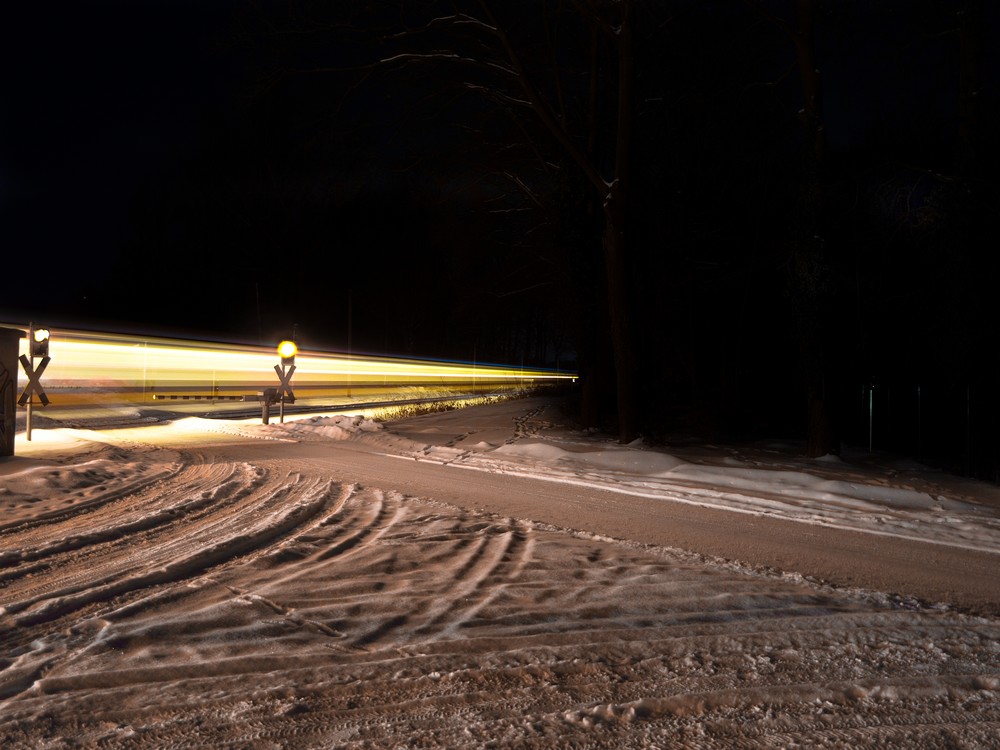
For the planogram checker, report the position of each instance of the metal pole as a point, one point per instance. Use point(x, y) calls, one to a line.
point(968, 430)
point(350, 307)
point(888, 415)
point(281, 404)
point(31, 396)
point(871, 413)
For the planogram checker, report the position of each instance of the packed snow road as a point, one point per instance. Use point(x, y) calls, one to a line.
point(455, 580)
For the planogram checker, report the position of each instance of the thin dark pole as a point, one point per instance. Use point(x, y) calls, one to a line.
point(350, 306)
point(260, 327)
point(31, 395)
point(918, 424)
point(968, 430)
point(871, 414)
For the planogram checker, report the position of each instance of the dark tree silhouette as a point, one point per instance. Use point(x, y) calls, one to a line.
point(509, 72)
point(808, 272)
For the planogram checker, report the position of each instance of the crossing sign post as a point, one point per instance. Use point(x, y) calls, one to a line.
point(287, 350)
point(38, 346)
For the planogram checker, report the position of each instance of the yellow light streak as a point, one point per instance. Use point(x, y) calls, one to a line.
point(155, 365)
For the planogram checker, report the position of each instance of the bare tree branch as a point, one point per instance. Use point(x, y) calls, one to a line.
point(442, 56)
point(781, 23)
point(527, 191)
point(542, 109)
point(459, 19)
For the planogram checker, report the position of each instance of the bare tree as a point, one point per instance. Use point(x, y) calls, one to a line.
point(507, 72)
point(807, 266)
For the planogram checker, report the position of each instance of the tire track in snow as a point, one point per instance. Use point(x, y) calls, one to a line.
point(75, 559)
point(356, 617)
point(89, 492)
point(185, 536)
point(178, 560)
point(117, 523)
point(482, 579)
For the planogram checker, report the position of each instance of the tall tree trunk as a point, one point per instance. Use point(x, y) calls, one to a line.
point(807, 261)
point(808, 267)
point(613, 22)
point(619, 304)
point(821, 430)
point(615, 235)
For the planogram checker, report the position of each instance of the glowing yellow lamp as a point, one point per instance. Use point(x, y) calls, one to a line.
point(40, 344)
point(287, 350)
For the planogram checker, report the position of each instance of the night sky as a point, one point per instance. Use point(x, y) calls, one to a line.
point(102, 101)
point(177, 166)
point(240, 170)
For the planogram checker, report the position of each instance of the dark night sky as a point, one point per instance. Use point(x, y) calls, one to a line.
point(100, 98)
point(103, 98)
point(172, 166)
point(116, 109)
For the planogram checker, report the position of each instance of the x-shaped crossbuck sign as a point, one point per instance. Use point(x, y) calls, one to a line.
point(33, 385)
point(285, 387)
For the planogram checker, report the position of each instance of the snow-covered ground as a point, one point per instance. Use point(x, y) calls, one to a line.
point(221, 583)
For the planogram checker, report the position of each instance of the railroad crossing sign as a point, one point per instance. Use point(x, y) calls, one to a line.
point(33, 387)
point(285, 386)
point(283, 393)
point(38, 346)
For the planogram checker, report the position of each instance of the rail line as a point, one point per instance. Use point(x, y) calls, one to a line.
point(90, 370)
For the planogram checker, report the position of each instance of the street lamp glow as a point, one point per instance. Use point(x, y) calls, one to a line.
point(39, 342)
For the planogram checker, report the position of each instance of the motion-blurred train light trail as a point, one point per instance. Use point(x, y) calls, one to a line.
point(94, 369)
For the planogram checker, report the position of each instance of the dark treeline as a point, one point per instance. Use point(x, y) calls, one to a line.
point(738, 218)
